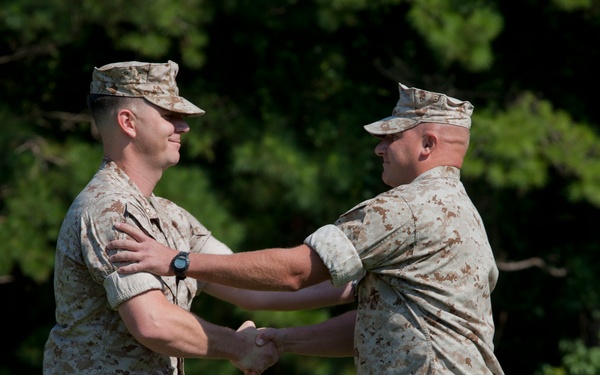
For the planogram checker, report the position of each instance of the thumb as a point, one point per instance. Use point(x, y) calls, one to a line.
point(264, 336)
point(246, 324)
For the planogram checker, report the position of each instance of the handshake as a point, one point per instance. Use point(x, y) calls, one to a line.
point(259, 348)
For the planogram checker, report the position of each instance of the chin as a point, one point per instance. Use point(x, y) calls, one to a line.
point(173, 161)
point(390, 182)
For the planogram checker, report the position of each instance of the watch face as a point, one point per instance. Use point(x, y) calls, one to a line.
point(179, 263)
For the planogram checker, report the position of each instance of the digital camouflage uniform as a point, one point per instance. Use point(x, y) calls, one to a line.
point(89, 336)
point(426, 272)
point(423, 261)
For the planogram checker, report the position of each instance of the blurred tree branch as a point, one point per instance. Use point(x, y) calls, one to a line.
point(28, 51)
point(531, 262)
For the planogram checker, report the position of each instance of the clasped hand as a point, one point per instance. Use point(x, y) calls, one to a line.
point(261, 352)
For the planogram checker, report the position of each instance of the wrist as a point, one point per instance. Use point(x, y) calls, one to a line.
point(281, 341)
point(180, 264)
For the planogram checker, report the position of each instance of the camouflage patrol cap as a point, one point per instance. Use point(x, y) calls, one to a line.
point(153, 81)
point(417, 106)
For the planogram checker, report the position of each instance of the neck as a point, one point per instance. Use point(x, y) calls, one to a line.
point(144, 178)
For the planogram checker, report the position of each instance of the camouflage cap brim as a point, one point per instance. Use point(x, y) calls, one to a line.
point(176, 104)
point(153, 81)
point(390, 125)
point(417, 106)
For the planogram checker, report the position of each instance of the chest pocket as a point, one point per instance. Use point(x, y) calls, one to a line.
point(157, 224)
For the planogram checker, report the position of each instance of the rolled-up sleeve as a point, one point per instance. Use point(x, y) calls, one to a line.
point(338, 254)
point(121, 287)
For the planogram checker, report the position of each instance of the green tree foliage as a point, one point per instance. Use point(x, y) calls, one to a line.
point(578, 359)
point(517, 148)
point(458, 31)
point(287, 86)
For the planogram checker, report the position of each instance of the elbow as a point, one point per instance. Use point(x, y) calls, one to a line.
point(154, 341)
point(301, 277)
point(295, 286)
point(149, 333)
point(295, 283)
point(146, 335)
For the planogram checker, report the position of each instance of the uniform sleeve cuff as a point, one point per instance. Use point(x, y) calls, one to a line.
point(120, 287)
point(338, 254)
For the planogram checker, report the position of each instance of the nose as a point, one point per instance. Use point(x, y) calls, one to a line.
point(181, 126)
point(381, 147)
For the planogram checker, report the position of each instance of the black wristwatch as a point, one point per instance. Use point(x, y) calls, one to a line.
point(180, 264)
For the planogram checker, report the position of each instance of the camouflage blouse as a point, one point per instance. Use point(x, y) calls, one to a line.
point(89, 336)
point(426, 271)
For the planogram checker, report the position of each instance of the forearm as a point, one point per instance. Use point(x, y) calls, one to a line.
point(320, 295)
point(195, 337)
point(270, 269)
point(331, 338)
point(316, 296)
point(171, 330)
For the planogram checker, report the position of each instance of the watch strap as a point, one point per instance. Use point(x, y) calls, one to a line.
point(180, 272)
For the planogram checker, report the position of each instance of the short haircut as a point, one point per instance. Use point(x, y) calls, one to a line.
point(103, 106)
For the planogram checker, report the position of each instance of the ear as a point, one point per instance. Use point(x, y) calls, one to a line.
point(127, 122)
point(430, 143)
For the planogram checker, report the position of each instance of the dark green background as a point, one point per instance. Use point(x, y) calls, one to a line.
point(287, 86)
